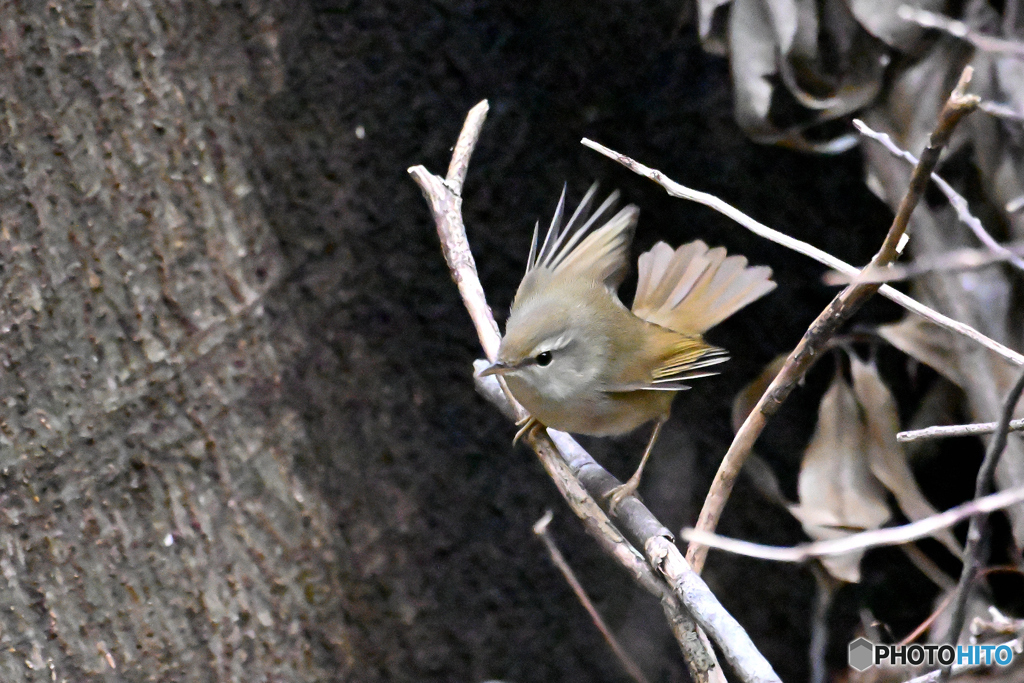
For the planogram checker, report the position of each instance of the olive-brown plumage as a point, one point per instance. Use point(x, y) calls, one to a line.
point(579, 360)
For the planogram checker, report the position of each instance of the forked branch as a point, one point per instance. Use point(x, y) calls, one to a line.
point(578, 477)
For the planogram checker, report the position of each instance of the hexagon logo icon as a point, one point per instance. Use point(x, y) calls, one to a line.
point(861, 654)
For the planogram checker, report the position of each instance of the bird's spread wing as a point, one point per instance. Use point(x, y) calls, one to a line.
point(600, 256)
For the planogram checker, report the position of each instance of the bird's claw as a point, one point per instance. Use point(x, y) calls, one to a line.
point(525, 425)
point(619, 494)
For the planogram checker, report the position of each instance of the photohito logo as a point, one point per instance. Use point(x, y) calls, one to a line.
point(863, 654)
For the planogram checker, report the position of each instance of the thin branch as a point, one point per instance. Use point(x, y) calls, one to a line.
point(977, 533)
point(464, 147)
point(844, 305)
point(866, 539)
point(582, 482)
point(446, 205)
point(674, 189)
point(946, 431)
point(1017, 645)
point(541, 529)
point(958, 203)
point(959, 29)
point(1001, 111)
point(741, 653)
point(953, 260)
point(632, 517)
point(927, 623)
point(817, 649)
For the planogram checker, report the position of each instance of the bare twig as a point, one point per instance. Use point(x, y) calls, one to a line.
point(953, 260)
point(927, 623)
point(674, 189)
point(959, 29)
point(749, 664)
point(1001, 111)
point(1017, 645)
point(946, 431)
point(977, 533)
point(818, 648)
point(568, 463)
point(582, 481)
point(958, 203)
point(844, 305)
point(446, 204)
point(866, 539)
point(541, 529)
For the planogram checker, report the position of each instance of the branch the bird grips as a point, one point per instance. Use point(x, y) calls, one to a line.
point(580, 361)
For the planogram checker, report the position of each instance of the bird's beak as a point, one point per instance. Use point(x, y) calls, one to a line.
point(498, 368)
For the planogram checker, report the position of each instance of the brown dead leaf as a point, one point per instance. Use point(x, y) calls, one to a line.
point(838, 493)
point(886, 457)
point(761, 32)
point(914, 99)
point(831, 84)
point(752, 45)
point(936, 347)
point(712, 23)
point(926, 343)
point(881, 19)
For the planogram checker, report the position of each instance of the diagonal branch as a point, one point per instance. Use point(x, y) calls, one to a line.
point(570, 466)
point(582, 482)
point(959, 29)
point(541, 529)
point(844, 305)
point(674, 189)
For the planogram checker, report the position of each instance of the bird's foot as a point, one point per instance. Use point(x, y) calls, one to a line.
point(526, 425)
point(621, 493)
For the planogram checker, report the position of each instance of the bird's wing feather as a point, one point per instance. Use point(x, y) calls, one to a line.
point(577, 252)
point(682, 359)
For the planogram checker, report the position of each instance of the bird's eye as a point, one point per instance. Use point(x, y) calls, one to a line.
point(543, 359)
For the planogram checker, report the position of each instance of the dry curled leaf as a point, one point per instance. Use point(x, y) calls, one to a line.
point(881, 19)
point(711, 24)
point(851, 465)
point(926, 343)
point(886, 457)
point(827, 63)
point(937, 348)
point(838, 493)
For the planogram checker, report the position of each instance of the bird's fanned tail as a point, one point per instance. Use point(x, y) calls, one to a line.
point(693, 288)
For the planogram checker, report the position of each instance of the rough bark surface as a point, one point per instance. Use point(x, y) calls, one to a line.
point(151, 526)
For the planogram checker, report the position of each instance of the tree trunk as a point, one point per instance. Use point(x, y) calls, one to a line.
point(151, 524)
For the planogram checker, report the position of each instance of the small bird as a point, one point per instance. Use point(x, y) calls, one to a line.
point(580, 361)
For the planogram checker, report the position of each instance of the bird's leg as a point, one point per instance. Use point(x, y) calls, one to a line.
point(525, 425)
point(621, 492)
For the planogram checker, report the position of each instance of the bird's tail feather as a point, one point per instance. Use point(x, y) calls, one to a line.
point(693, 288)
